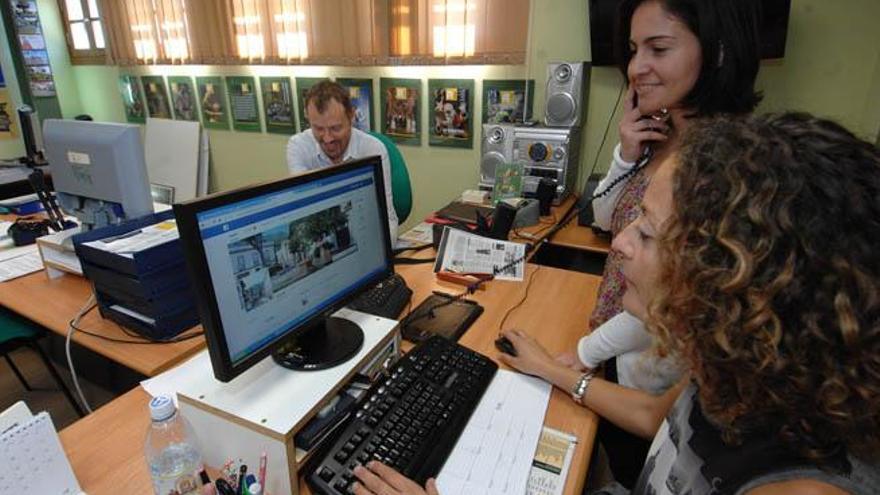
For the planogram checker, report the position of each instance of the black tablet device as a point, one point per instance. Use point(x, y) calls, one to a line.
point(440, 315)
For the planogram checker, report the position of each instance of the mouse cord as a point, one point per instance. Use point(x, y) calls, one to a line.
point(522, 300)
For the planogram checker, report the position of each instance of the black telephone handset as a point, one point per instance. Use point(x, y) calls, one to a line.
point(661, 115)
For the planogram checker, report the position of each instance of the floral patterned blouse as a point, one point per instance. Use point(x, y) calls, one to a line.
point(612, 288)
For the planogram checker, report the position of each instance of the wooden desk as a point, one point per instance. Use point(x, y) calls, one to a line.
point(582, 238)
point(106, 447)
point(53, 303)
point(571, 236)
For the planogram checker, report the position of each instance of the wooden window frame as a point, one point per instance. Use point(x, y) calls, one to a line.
point(92, 56)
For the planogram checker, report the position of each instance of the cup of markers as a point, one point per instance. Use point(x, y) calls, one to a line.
point(236, 480)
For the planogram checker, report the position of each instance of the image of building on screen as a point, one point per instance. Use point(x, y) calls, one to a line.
point(268, 262)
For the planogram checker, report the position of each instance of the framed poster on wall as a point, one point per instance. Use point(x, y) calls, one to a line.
point(400, 110)
point(243, 103)
point(277, 104)
point(508, 101)
point(183, 98)
point(212, 99)
point(132, 99)
point(360, 91)
point(156, 96)
point(451, 112)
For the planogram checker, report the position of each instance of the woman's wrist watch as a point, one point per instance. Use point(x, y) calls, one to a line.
point(580, 387)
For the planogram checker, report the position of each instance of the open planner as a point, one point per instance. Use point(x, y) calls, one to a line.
point(31, 455)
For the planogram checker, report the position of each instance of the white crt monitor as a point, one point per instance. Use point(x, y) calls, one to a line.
point(98, 170)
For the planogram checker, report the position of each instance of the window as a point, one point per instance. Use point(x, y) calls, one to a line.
point(85, 31)
point(159, 30)
point(459, 31)
point(319, 32)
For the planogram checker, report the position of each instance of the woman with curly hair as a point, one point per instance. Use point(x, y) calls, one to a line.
point(754, 263)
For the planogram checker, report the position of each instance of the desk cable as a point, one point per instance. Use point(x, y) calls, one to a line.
point(71, 327)
point(135, 338)
point(470, 289)
point(522, 299)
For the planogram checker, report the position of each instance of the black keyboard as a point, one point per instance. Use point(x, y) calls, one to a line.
point(387, 299)
point(411, 419)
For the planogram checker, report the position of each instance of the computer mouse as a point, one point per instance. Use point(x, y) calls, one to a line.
point(505, 345)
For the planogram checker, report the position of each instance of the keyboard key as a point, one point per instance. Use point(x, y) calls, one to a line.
point(326, 474)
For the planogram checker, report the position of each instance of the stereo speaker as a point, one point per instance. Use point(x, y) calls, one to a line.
point(566, 93)
point(496, 148)
point(502, 221)
point(585, 203)
point(545, 193)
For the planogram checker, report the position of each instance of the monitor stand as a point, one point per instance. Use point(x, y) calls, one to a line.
point(327, 344)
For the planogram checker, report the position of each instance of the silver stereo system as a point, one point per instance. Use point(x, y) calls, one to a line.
point(566, 93)
point(545, 152)
point(548, 152)
point(497, 148)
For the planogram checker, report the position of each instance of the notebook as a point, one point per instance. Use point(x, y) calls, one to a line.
point(32, 457)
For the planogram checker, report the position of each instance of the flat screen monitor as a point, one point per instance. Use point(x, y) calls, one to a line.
point(271, 263)
point(772, 29)
point(98, 170)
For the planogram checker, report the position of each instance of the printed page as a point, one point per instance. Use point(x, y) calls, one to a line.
point(494, 454)
point(551, 463)
point(138, 240)
point(26, 260)
point(470, 253)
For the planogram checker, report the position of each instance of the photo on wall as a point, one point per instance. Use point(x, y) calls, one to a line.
point(32, 42)
point(156, 96)
point(400, 110)
point(277, 104)
point(8, 128)
point(243, 103)
point(26, 18)
point(451, 112)
point(132, 99)
point(41, 81)
point(508, 101)
point(212, 97)
point(183, 98)
point(35, 57)
point(303, 85)
point(360, 91)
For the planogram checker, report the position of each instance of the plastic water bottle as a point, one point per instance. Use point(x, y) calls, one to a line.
point(170, 450)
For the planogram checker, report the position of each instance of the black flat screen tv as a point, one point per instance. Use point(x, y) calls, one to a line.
point(603, 13)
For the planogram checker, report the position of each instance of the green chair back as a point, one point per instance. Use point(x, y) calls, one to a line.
point(401, 189)
point(14, 327)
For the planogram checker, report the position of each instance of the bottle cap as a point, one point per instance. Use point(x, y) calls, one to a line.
point(255, 489)
point(162, 407)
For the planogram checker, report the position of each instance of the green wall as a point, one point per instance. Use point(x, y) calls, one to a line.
point(831, 68)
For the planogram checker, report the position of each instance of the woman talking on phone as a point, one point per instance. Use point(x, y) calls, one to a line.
point(682, 59)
